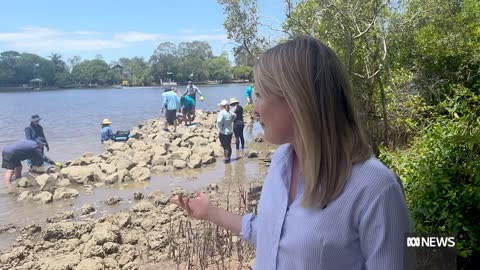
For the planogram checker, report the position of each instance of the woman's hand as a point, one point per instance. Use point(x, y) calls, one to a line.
point(197, 208)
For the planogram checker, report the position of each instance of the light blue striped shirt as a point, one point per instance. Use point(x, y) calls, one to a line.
point(362, 229)
point(171, 101)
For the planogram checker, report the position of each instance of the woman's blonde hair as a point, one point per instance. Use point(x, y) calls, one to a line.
point(328, 135)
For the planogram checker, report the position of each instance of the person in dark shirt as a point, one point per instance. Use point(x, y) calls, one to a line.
point(238, 124)
point(35, 130)
point(13, 155)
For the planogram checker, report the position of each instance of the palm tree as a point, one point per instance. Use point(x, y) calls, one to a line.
point(58, 62)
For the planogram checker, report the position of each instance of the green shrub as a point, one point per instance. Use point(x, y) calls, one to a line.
point(441, 173)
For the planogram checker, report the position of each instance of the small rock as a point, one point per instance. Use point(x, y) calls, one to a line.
point(140, 174)
point(110, 247)
point(208, 160)
point(93, 263)
point(169, 209)
point(25, 195)
point(252, 154)
point(143, 206)
point(113, 200)
point(87, 209)
point(179, 164)
point(65, 193)
point(138, 196)
point(23, 182)
point(45, 180)
point(64, 182)
point(44, 197)
point(61, 217)
point(259, 139)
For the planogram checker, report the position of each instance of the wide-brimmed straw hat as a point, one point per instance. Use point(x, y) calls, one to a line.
point(106, 121)
point(233, 101)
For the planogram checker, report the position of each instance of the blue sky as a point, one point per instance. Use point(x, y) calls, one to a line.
point(119, 28)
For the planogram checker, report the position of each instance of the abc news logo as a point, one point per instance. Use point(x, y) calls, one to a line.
point(430, 241)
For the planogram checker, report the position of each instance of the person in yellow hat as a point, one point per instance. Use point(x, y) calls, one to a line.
point(107, 132)
point(238, 124)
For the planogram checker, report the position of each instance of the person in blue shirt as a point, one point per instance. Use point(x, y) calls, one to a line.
point(188, 109)
point(248, 94)
point(107, 132)
point(326, 202)
point(13, 155)
point(170, 103)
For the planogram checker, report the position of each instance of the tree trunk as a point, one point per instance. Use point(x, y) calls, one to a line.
point(384, 111)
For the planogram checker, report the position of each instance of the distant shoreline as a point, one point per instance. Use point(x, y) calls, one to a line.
point(31, 89)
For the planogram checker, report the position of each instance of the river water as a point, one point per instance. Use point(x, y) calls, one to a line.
point(71, 121)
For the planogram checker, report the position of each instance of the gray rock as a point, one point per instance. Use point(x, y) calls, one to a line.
point(45, 181)
point(113, 200)
point(44, 197)
point(64, 182)
point(91, 249)
point(137, 196)
point(170, 209)
point(208, 160)
point(79, 174)
point(125, 163)
point(105, 232)
point(139, 146)
point(23, 182)
point(61, 217)
point(107, 168)
point(140, 174)
point(66, 230)
point(179, 164)
point(252, 154)
point(116, 146)
point(195, 161)
point(139, 157)
point(25, 195)
point(65, 193)
point(111, 248)
point(87, 209)
point(59, 262)
point(160, 169)
point(117, 177)
point(93, 263)
point(143, 206)
point(159, 198)
point(159, 150)
point(158, 160)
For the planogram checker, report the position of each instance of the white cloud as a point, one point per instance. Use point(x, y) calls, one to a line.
point(47, 40)
point(86, 33)
point(136, 37)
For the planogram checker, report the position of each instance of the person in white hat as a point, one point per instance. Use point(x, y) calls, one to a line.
point(225, 120)
point(107, 132)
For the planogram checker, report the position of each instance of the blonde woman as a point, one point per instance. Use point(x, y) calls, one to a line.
point(326, 202)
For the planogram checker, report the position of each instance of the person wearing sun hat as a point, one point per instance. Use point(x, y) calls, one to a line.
point(13, 155)
point(35, 130)
point(238, 124)
point(225, 120)
point(107, 132)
